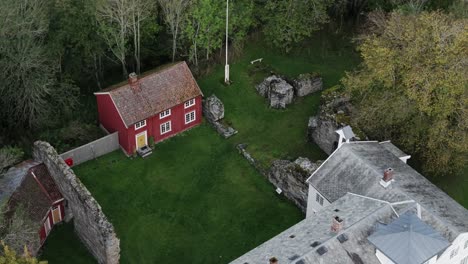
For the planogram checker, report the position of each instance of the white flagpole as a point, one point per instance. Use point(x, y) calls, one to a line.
point(226, 68)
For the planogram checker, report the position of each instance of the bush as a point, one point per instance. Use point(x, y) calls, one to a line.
point(9, 156)
point(71, 136)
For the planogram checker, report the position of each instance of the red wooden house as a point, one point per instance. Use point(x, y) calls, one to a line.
point(43, 205)
point(156, 105)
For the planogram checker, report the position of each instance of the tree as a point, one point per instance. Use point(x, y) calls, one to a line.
point(140, 11)
point(29, 87)
point(291, 21)
point(205, 27)
point(114, 20)
point(9, 156)
point(174, 12)
point(9, 256)
point(20, 230)
point(72, 39)
point(412, 87)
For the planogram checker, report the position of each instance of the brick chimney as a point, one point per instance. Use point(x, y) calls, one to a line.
point(133, 81)
point(274, 260)
point(337, 224)
point(387, 177)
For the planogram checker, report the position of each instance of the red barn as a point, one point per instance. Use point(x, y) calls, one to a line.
point(157, 105)
point(39, 203)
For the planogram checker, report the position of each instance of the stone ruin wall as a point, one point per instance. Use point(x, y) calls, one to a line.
point(91, 225)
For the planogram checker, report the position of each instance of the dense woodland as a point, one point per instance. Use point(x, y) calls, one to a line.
point(411, 86)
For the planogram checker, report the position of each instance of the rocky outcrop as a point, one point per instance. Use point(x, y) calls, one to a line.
point(291, 178)
point(213, 108)
point(223, 130)
point(281, 94)
point(335, 110)
point(278, 91)
point(91, 225)
point(307, 83)
point(264, 87)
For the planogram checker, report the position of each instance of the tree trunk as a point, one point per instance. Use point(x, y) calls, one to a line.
point(96, 72)
point(174, 42)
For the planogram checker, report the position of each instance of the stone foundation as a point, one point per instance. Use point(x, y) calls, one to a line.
point(91, 225)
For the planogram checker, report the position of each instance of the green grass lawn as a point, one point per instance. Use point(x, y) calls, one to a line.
point(272, 133)
point(63, 246)
point(196, 200)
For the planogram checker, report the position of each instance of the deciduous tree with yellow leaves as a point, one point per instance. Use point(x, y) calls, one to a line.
point(412, 86)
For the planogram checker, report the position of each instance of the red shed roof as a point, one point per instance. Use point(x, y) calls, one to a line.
point(36, 194)
point(157, 91)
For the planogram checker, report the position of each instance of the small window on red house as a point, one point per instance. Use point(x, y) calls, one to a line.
point(166, 127)
point(140, 124)
point(164, 113)
point(189, 103)
point(190, 117)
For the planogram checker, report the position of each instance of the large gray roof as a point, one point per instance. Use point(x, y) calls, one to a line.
point(408, 240)
point(297, 244)
point(393, 149)
point(358, 167)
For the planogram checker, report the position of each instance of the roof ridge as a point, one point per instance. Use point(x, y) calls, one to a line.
point(141, 76)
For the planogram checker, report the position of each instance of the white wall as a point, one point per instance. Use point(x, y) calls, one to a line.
point(459, 243)
point(382, 258)
point(312, 205)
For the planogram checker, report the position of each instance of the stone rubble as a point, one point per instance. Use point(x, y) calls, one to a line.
point(307, 83)
point(213, 110)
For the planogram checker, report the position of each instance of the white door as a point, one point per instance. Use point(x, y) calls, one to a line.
point(47, 226)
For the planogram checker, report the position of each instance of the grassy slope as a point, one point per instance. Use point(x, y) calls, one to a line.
point(273, 133)
point(196, 200)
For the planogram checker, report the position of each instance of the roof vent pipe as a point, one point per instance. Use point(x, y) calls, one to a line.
point(274, 260)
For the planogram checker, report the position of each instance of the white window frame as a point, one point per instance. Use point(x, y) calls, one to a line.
point(189, 103)
point(165, 113)
point(319, 199)
point(464, 260)
point(140, 124)
point(164, 125)
point(139, 134)
point(194, 117)
point(454, 253)
point(47, 226)
point(60, 214)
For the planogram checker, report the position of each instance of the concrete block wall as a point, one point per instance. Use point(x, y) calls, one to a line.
point(91, 225)
point(93, 149)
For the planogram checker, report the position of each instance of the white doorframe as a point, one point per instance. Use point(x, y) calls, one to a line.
point(47, 226)
point(60, 214)
point(139, 134)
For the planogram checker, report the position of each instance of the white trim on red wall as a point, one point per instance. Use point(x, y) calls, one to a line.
point(192, 120)
point(139, 134)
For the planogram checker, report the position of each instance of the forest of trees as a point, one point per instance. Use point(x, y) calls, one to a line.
point(55, 53)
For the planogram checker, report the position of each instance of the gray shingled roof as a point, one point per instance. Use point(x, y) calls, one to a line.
point(296, 244)
point(13, 178)
point(393, 149)
point(408, 240)
point(358, 167)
